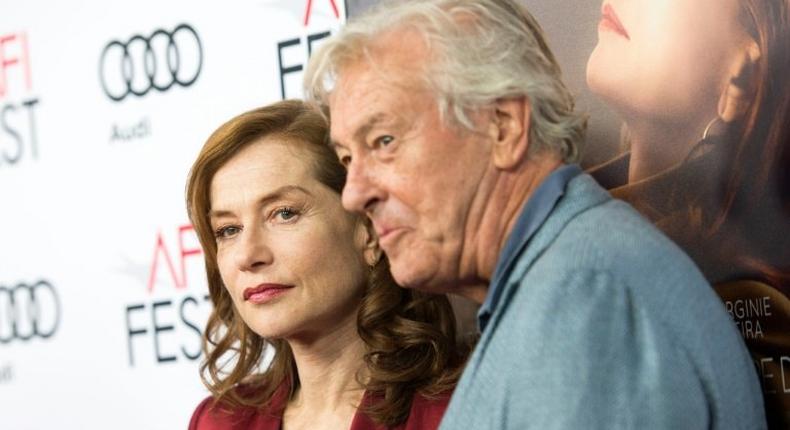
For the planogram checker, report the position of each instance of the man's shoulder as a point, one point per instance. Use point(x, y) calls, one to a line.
point(608, 249)
point(588, 215)
point(611, 236)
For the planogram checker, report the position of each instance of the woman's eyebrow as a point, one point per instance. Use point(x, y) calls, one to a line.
point(264, 200)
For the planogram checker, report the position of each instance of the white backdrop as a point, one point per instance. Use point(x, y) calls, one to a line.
point(102, 290)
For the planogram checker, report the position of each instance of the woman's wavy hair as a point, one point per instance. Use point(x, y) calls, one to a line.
point(761, 139)
point(410, 335)
point(754, 176)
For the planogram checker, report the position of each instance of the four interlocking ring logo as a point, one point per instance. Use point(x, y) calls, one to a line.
point(153, 57)
point(28, 311)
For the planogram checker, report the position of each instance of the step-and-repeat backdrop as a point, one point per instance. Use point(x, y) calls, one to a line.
point(104, 105)
point(103, 108)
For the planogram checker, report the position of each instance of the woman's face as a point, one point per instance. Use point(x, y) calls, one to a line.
point(666, 60)
point(290, 257)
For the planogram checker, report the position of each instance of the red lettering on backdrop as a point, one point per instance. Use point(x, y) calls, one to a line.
point(310, 6)
point(186, 252)
point(160, 251)
point(22, 59)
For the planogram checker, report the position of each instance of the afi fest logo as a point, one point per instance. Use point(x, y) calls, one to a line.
point(142, 64)
point(18, 142)
point(167, 326)
point(293, 53)
point(28, 311)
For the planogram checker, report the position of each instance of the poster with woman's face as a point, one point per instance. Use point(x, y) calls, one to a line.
point(689, 105)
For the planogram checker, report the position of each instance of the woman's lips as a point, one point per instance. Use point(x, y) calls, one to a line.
point(265, 292)
point(610, 21)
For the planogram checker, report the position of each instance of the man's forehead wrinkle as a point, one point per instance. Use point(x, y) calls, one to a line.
point(392, 57)
point(371, 93)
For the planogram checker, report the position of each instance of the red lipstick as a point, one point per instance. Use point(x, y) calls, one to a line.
point(264, 293)
point(610, 21)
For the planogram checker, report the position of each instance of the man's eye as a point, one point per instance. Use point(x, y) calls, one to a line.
point(226, 232)
point(384, 140)
point(345, 160)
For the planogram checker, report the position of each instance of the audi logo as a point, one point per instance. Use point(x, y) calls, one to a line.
point(28, 311)
point(156, 62)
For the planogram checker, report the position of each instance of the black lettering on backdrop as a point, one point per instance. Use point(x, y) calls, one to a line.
point(295, 68)
point(134, 332)
point(192, 326)
point(165, 318)
point(312, 38)
point(286, 70)
point(138, 130)
point(13, 131)
point(158, 329)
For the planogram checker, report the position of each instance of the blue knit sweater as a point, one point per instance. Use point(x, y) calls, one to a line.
point(604, 323)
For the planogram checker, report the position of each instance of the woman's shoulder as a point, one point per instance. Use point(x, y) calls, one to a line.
point(211, 414)
point(427, 411)
point(425, 414)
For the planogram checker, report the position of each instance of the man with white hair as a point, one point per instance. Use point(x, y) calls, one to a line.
point(459, 138)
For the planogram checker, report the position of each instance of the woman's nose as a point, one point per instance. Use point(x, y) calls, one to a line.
point(253, 251)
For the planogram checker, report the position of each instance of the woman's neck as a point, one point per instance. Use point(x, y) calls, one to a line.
point(329, 367)
point(656, 147)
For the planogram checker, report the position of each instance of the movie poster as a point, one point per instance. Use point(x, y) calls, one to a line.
point(689, 122)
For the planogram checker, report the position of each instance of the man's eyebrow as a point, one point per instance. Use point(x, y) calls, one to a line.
point(360, 133)
point(371, 122)
point(266, 199)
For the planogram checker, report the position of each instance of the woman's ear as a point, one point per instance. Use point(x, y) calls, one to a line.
point(739, 92)
point(371, 251)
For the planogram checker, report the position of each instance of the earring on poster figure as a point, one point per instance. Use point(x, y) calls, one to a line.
point(710, 125)
point(737, 95)
point(711, 138)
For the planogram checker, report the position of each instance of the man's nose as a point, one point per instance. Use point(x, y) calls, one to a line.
point(363, 190)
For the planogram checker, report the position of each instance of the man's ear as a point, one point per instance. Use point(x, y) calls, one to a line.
point(371, 251)
point(510, 122)
point(739, 91)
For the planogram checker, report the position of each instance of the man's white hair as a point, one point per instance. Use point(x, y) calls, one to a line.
point(482, 50)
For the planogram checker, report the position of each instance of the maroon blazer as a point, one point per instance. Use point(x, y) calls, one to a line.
point(425, 414)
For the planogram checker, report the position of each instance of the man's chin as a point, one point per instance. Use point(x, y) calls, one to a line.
point(411, 276)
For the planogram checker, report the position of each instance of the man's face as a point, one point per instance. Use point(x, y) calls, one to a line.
point(414, 176)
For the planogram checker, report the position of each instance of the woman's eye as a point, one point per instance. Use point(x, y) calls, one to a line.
point(286, 214)
point(225, 232)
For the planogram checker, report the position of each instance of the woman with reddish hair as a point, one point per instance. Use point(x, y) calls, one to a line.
point(297, 279)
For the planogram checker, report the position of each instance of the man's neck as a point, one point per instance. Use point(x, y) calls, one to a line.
point(493, 216)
